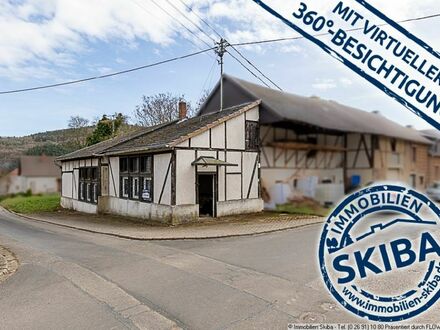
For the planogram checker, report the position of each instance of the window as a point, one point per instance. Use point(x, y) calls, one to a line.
point(393, 145)
point(95, 193)
point(82, 195)
point(137, 178)
point(123, 165)
point(134, 164)
point(414, 154)
point(146, 164)
point(89, 184)
point(125, 187)
point(89, 192)
point(147, 192)
point(376, 143)
point(135, 187)
point(252, 135)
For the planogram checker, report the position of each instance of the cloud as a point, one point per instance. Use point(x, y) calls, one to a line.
point(345, 82)
point(324, 84)
point(38, 35)
point(49, 32)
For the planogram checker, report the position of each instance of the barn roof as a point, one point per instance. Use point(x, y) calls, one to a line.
point(160, 137)
point(433, 134)
point(280, 106)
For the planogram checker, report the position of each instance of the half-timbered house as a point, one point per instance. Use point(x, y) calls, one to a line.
point(173, 173)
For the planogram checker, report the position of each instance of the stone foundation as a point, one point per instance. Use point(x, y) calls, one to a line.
point(242, 206)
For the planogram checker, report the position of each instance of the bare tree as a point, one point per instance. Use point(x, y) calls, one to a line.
point(77, 122)
point(203, 98)
point(158, 109)
point(78, 126)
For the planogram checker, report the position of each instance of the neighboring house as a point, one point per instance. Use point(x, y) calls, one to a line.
point(37, 174)
point(343, 147)
point(172, 173)
point(434, 154)
point(6, 176)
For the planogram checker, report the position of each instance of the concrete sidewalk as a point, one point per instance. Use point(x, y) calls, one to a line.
point(233, 226)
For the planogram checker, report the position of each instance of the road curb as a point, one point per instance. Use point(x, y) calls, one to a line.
point(167, 238)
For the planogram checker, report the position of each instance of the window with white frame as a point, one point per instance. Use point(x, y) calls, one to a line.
point(89, 184)
point(136, 175)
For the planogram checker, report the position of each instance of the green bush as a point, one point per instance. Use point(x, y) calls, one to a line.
point(32, 204)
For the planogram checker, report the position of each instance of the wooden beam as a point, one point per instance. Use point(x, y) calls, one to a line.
point(263, 150)
point(305, 146)
point(165, 180)
point(252, 177)
point(279, 156)
point(358, 151)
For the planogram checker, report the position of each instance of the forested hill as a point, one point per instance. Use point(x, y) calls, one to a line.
point(52, 143)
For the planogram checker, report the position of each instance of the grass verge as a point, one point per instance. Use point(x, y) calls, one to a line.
point(303, 209)
point(32, 204)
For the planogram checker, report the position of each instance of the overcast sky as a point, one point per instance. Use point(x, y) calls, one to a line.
point(50, 41)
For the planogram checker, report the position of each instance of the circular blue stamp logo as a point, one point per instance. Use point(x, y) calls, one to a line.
point(379, 253)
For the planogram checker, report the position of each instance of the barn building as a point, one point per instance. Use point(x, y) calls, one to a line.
point(434, 155)
point(172, 173)
point(341, 148)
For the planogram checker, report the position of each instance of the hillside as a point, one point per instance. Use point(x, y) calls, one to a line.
point(11, 148)
point(58, 142)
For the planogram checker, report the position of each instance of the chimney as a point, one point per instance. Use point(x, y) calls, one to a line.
point(182, 110)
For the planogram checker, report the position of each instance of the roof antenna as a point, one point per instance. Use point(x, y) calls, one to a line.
point(220, 51)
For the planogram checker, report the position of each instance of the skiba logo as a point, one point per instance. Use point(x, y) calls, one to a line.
point(379, 253)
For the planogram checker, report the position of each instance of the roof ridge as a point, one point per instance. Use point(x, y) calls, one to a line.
point(135, 136)
point(107, 144)
point(241, 105)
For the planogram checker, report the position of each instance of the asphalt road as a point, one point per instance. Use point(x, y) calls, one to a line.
point(74, 280)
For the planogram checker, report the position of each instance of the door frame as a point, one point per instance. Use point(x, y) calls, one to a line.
point(214, 187)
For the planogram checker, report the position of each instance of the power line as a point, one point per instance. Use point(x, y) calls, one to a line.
point(249, 70)
point(180, 22)
point(107, 75)
point(232, 46)
point(171, 26)
point(255, 67)
point(190, 55)
point(184, 15)
point(207, 78)
point(260, 42)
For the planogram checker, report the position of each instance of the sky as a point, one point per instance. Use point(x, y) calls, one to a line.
point(51, 41)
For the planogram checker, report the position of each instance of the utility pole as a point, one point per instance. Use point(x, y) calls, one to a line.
point(220, 51)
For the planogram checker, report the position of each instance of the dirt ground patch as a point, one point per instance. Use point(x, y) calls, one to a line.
point(8, 263)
